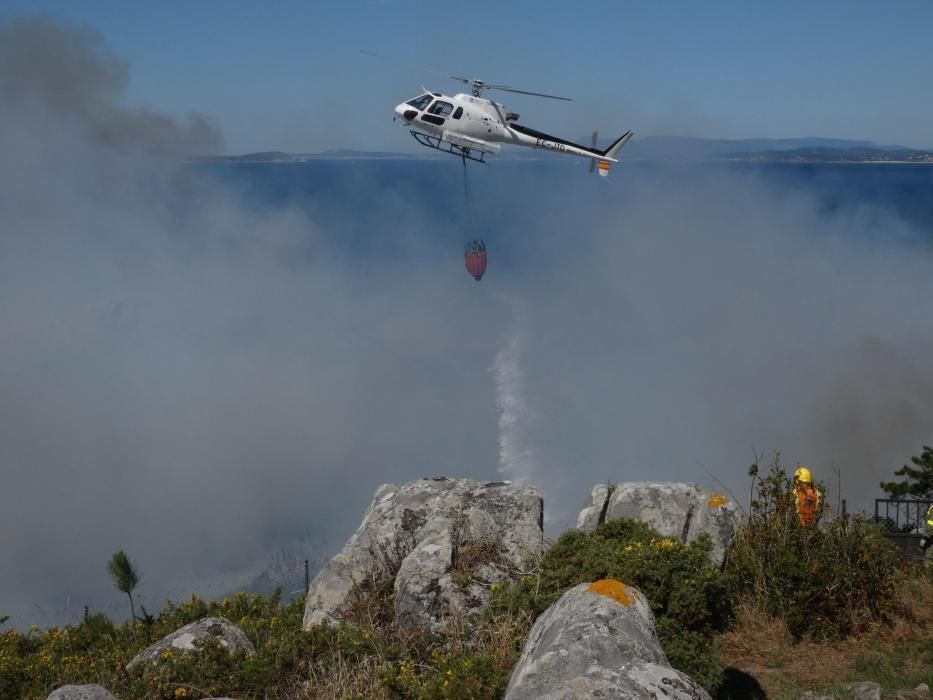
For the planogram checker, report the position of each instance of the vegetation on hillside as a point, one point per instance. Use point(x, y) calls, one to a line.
point(826, 582)
point(898, 654)
point(691, 598)
point(794, 608)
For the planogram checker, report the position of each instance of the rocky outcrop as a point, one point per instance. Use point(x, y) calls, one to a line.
point(183, 640)
point(597, 640)
point(442, 541)
point(81, 692)
point(674, 509)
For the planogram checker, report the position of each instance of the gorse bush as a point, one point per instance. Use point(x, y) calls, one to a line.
point(691, 599)
point(96, 651)
point(329, 661)
point(826, 581)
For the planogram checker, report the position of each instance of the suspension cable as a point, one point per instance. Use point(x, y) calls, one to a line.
point(466, 197)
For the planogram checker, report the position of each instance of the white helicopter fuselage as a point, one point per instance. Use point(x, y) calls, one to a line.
point(475, 123)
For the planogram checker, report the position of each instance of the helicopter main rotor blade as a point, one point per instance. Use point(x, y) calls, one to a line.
point(505, 88)
point(478, 84)
point(465, 81)
point(410, 65)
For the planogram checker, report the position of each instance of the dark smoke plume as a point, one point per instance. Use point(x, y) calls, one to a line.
point(69, 71)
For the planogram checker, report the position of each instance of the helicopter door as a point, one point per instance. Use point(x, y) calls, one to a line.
point(437, 113)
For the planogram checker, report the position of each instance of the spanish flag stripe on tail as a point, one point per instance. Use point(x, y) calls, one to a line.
point(603, 168)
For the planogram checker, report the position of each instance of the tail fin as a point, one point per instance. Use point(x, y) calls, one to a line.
point(619, 142)
point(610, 152)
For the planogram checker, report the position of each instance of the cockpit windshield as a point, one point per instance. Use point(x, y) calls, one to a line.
point(421, 102)
point(441, 108)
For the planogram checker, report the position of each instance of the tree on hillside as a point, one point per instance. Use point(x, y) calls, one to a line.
point(125, 576)
point(919, 481)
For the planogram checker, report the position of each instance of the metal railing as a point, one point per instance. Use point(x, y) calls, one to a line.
point(904, 522)
point(901, 515)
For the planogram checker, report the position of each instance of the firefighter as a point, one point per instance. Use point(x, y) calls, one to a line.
point(926, 542)
point(807, 496)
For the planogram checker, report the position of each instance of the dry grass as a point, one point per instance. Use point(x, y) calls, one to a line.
point(371, 601)
point(471, 556)
point(892, 654)
point(358, 680)
point(504, 637)
point(340, 679)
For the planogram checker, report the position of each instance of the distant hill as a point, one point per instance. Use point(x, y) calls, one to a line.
point(687, 148)
point(838, 155)
point(282, 157)
point(264, 157)
point(654, 148)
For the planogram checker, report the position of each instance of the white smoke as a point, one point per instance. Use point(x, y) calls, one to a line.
point(190, 377)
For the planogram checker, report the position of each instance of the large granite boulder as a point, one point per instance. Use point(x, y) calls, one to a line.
point(183, 640)
point(597, 640)
point(443, 542)
point(81, 692)
point(674, 509)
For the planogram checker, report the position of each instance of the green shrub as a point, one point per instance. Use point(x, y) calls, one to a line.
point(14, 652)
point(471, 675)
point(326, 661)
point(825, 581)
point(691, 599)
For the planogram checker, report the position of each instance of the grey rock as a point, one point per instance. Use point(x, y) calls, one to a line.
point(810, 695)
point(598, 643)
point(674, 509)
point(923, 688)
point(183, 639)
point(81, 692)
point(594, 510)
point(866, 691)
point(423, 533)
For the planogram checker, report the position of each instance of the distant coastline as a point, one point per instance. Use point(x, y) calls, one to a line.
point(652, 148)
point(282, 157)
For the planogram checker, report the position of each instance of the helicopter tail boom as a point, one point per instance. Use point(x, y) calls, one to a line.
point(530, 137)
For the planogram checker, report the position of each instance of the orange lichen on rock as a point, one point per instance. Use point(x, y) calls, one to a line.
point(716, 500)
point(610, 588)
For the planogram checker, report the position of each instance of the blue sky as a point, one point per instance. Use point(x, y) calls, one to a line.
point(289, 75)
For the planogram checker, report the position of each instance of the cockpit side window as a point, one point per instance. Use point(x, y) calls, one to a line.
point(441, 109)
point(458, 113)
point(421, 102)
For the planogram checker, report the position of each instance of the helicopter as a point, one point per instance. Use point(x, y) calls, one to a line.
point(471, 126)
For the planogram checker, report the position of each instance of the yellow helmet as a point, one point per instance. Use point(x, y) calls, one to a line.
point(803, 475)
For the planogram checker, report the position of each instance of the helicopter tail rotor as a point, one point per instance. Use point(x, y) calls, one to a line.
point(610, 152)
point(593, 148)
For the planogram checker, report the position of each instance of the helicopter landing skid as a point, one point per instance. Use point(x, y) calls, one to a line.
point(438, 144)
